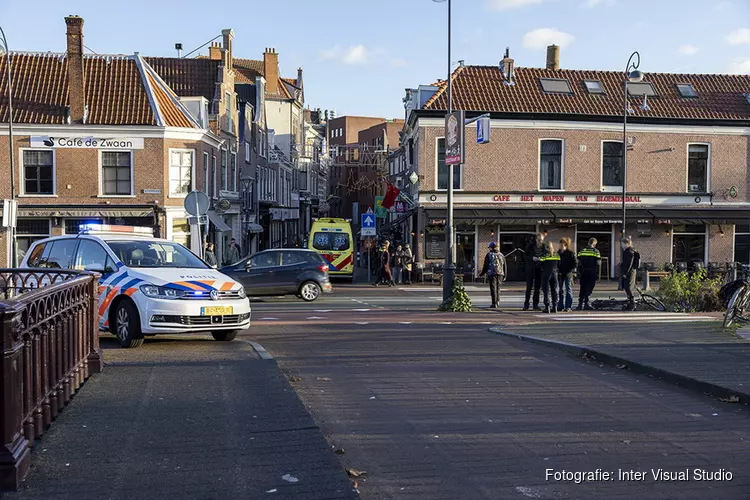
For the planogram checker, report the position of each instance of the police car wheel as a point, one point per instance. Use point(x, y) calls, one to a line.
point(309, 291)
point(127, 325)
point(224, 336)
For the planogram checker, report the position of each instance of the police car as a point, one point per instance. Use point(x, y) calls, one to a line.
point(148, 286)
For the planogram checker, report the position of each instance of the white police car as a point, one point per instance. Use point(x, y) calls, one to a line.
point(148, 285)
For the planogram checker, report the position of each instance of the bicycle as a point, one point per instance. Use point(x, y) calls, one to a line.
point(735, 296)
point(643, 302)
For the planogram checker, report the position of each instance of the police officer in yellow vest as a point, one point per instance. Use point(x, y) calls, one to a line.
point(550, 261)
point(589, 261)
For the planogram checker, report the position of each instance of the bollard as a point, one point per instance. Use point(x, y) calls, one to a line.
point(646, 283)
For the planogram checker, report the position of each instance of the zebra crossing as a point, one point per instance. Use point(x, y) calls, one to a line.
point(627, 317)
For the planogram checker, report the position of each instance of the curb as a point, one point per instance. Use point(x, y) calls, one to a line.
point(584, 352)
point(258, 348)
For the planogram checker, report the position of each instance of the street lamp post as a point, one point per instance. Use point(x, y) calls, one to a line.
point(632, 74)
point(449, 266)
point(12, 229)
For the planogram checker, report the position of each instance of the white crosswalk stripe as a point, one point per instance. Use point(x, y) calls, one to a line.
point(630, 317)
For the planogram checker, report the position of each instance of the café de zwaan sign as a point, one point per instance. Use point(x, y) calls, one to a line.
point(90, 142)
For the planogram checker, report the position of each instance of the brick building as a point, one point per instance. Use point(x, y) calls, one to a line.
point(97, 139)
point(555, 162)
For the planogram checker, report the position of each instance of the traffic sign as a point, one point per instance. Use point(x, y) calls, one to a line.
point(196, 203)
point(368, 224)
point(483, 130)
point(368, 244)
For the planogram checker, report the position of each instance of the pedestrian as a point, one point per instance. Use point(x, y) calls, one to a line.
point(496, 269)
point(378, 258)
point(408, 263)
point(550, 263)
point(568, 264)
point(631, 260)
point(385, 262)
point(398, 265)
point(589, 261)
point(533, 254)
point(210, 256)
point(233, 253)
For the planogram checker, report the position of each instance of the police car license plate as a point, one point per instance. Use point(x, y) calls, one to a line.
point(216, 310)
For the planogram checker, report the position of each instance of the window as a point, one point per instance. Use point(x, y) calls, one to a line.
point(117, 178)
point(686, 90)
point(180, 172)
point(443, 168)
point(60, 255)
point(640, 89)
point(224, 169)
point(213, 176)
point(149, 253)
point(742, 243)
point(39, 172)
point(689, 243)
point(594, 86)
point(337, 242)
point(292, 258)
point(265, 259)
point(181, 231)
point(247, 152)
point(91, 253)
point(232, 184)
point(612, 164)
point(228, 108)
point(27, 232)
point(206, 174)
point(550, 164)
point(556, 86)
point(697, 168)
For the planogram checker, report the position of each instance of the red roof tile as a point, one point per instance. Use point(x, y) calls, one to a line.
point(248, 69)
point(481, 88)
point(167, 100)
point(188, 77)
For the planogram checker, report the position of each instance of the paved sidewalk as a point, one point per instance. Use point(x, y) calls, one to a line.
point(188, 419)
point(700, 355)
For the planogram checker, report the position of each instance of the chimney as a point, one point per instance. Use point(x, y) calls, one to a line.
point(214, 51)
point(228, 37)
point(553, 58)
point(76, 77)
point(299, 78)
point(507, 68)
point(271, 70)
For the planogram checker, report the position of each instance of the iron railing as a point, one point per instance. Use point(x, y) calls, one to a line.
point(50, 346)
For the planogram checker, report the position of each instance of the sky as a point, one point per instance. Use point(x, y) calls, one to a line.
point(358, 56)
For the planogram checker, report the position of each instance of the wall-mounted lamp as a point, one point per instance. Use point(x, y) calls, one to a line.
point(667, 232)
point(492, 233)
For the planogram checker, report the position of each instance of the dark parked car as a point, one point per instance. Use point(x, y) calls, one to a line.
point(286, 271)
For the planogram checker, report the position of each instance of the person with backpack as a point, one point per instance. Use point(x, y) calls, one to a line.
point(550, 261)
point(631, 261)
point(496, 269)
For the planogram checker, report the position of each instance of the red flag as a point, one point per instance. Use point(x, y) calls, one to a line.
point(390, 196)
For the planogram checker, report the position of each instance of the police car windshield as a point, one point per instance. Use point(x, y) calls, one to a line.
point(144, 253)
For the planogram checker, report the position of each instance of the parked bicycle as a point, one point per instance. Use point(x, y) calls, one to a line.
point(735, 296)
point(643, 302)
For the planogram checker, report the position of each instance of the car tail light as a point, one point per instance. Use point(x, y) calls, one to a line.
point(323, 267)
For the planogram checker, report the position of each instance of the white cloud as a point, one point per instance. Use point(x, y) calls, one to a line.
point(595, 3)
point(513, 4)
point(542, 37)
point(740, 66)
point(398, 63)
point(354, 55)
point(739, 37)
point(688, 50)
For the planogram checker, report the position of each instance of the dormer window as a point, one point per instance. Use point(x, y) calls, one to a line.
point(594, 86)
point(556, 86)
point(686, 90)
point(639, 89)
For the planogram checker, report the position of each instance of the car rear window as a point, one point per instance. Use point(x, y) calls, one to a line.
point(333, 241)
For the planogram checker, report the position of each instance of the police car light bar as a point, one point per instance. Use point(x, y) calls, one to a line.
point(107, 228)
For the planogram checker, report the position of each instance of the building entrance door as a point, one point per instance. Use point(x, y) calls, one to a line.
point(512, 246)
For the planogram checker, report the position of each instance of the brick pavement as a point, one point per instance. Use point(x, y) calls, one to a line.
point(698, 355)
point(453, 412)
point(185, 419)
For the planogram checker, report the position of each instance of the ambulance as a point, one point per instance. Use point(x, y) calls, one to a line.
point(147, 285)
point(332, 239)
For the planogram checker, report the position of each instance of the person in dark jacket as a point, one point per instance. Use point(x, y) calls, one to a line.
point(210, 256)
point(496, 269)
point(589, 261)
point(568, 264)
point(533, 253)
point(398, 265)
point(550, 261)
point(385, 263)
point(628, 268)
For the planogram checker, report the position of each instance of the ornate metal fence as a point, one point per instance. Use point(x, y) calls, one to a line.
point(50, 346)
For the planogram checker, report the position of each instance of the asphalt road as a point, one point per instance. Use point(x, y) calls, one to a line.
point(433, 406)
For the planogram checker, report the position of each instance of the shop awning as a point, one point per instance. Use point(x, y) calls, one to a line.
point(483, 216)
point(719, 215)
point(254, 228)
point(218, 222)
point(83, 213)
